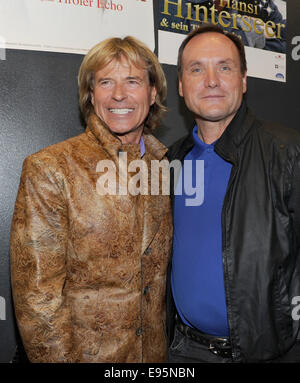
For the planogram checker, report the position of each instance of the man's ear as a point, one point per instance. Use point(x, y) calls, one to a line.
point(180, 88)
point(92, 97)
point(153, 95)
point(244, 83)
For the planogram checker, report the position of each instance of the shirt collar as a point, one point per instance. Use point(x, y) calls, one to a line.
point(112, 145)
point(200, 147)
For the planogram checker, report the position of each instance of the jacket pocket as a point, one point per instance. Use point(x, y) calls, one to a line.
point(91, 344)
point(178, 341)
point(85, 319)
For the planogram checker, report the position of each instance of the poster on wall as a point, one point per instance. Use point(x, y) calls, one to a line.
point(261, 24)
point(73, 26)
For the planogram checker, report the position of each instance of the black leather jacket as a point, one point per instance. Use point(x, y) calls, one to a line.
point(260, 235)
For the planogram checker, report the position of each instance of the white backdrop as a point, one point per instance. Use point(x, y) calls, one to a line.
point(73, 26)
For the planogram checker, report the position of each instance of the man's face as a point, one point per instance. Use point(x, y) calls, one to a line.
point(122, 97)
point(212, 84)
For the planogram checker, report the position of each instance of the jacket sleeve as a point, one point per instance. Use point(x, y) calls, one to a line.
point(38, 264)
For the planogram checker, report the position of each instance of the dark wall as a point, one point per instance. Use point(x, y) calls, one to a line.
point(38, 107)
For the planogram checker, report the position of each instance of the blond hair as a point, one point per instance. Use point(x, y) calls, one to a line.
point(137, 54)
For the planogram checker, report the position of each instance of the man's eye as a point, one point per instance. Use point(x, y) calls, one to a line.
point(133, 82)
point(105, 83)
point(196, 70)
point(225, 68)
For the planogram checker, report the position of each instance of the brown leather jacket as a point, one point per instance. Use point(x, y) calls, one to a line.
point(88, 271)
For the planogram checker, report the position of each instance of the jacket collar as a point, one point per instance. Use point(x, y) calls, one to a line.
point(235, 133)
point(227, 145)
point(154, 207)
point(112, 144)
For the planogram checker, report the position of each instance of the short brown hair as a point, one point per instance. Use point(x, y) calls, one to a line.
point(213, 28)
point(137, 54)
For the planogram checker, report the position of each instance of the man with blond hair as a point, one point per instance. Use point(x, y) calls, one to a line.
point(88, 268)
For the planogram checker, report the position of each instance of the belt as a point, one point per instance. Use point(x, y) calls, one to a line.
point(217, 345)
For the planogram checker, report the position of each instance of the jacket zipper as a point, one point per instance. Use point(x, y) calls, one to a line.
point(224, 256)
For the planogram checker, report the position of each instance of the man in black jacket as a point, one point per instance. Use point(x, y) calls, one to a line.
point(234, 281)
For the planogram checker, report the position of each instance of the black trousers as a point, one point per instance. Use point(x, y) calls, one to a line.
point(186, 350)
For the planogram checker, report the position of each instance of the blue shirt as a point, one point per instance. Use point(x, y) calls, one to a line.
point(142, 146)
point(197, 269)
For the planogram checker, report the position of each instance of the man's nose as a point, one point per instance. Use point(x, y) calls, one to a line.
point(118, 93)
point(211, 78)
